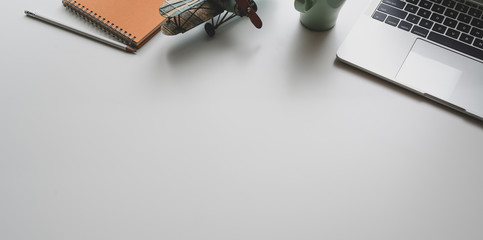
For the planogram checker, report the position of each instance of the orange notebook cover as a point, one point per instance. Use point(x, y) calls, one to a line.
point(134, 22)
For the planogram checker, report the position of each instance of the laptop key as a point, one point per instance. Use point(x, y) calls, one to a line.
point(422, 32)
point(477, 32)
point(449, 3)
point(466, 38)
point(412, 1)
point(451, 13)
point(464, 18)
point(475, 13)
point(405, 25)
point(452, 33)
point(411, 8)
point(379, 16)
point(425, 4)
point(477, 23)
point(438, 8)
point(478, 43)
point(392, 11)
point(392, 21)
point(456, 45)
point(395, 3)
point(450, 22)
point(463, 27)
point(439, 28)
point(437, 18)
point(425, 23)
point(413, 19)
point(424, 13)
point(462, 8)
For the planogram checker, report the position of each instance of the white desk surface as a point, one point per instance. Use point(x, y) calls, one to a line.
point(254, 134)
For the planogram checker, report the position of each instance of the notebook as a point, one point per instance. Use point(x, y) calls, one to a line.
point(431, 47)
point(133, 22)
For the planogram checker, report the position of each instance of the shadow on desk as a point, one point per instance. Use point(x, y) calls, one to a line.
point(307, 52)
point(197, 50)
point(407, 93)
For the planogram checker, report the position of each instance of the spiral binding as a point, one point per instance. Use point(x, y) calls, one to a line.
point(99, 22)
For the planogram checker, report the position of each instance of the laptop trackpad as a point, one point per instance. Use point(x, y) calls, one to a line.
point(426, 70)
point(444, 74)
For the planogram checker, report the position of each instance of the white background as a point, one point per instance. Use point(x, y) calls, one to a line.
point(253, 134)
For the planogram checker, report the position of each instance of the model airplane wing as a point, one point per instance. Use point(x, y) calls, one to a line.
point(183, 15)
point(172, 8)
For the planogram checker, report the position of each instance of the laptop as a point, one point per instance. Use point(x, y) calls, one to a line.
point(431, 47)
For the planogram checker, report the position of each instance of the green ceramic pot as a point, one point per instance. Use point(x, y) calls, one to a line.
point(318, 15)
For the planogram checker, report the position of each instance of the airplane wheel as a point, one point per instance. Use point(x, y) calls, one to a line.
point(210, 29)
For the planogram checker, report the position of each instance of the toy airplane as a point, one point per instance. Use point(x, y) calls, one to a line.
point(183, 15)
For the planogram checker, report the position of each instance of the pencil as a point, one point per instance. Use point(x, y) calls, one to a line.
point(107, 41)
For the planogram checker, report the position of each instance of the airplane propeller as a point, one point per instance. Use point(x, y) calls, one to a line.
point(250, 12)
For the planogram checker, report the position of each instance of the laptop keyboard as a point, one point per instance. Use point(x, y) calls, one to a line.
point(457, 24)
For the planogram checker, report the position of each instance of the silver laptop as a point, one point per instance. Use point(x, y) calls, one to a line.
point(431, 47)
